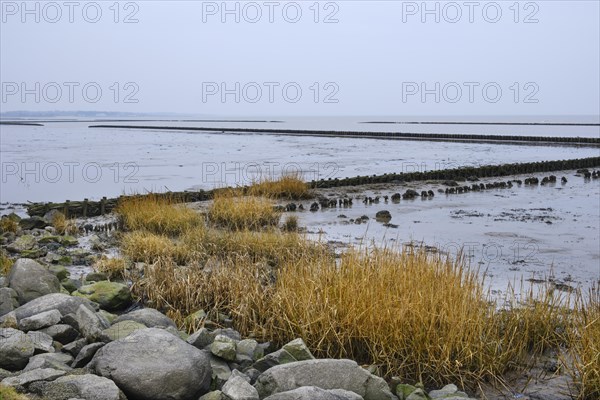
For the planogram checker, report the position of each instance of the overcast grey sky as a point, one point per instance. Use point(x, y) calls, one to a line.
point(303, 58)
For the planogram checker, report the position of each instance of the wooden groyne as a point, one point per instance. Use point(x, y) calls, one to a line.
point(388, 135)
point(87, 208)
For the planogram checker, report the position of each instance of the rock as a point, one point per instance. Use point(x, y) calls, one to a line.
point(195, 318)
point(298, 349)
point(39, 321)
point(383, 216)
point(64, 303)
point(40, 374)
point(21, 244)
point(15, 349)
point(237, 388)
point(220, 370)
point(446, 391)
point(50, 360)
point(148, 316)
point(250, 348)
point(75, 346)
point(70, 285)
point(201, 338)
point(325, 374)
point(86, 354)
point(108, 316)
point(418, 394)
point(215, 395)
point(42, 342)
point(31, 280)
point(59, 271)
point(120, 330)
point(88, 387)
point(90, 323)
point(109, 295)
point(171, 368)
point(96, 277)
point(278, 357)
point(8, 300)
point(33, 223)
point(315, 393)
point(224, 347)
point(62, 333)
point(69, 241)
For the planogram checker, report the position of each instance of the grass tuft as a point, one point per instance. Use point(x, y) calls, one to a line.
point(6, 263)
point(8, 224)
point(63, 225)
point(9, 393)
point(289, 187)
point(157, 214)
point(114, 268)
point(239, 213)
point(585, 339)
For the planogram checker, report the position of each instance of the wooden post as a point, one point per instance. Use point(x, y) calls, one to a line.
point(103, 205)
point(66, 208)
point(85, 208)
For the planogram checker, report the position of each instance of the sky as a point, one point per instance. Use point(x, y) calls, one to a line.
point(302, 58)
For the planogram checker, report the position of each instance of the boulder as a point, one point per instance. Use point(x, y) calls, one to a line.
point(42, 342)
point(31, 280)
point(238, 388)
point(120, 330)
point(153, 364)
point(62, 333)
point(40, 374)
point(298, 349)
point(325, 374)
point(22, 243)
point(8, 300)
point(224, 347)
point(148, 316)
point(315, 393)
point(109, 295)
point(15, 349)
point(90, 324)
point(86, 354)
point(64, 303)
point(88, 387)
point(39, 321)
point(50, 360)
point(201, 338)
point(33, 223)
point(278, 357)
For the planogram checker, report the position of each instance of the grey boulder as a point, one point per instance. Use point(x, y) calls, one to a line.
point(87, 387)
point(39, 321)
point(315, 393)
point(147, 316)
point(40, 374)
point(15, 349)
point(63, 303)
point(31, 280)
point(153, 364)
point(325, 374)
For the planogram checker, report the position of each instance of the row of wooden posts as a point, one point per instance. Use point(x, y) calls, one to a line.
point(87, 208)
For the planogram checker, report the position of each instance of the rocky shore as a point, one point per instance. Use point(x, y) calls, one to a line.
point(96, 344)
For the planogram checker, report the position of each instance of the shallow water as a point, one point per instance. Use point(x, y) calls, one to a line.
point(542, 232)
point(64, 160)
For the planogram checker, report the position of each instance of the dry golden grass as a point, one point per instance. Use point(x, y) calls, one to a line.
point(8, 224)
point(585, 342)
point(147, 247)
point(291, 223)
point(157, 214)
point(238, 213)
point(114, 268)
point(289, 187)
point(63, 225)
point(5, 263)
